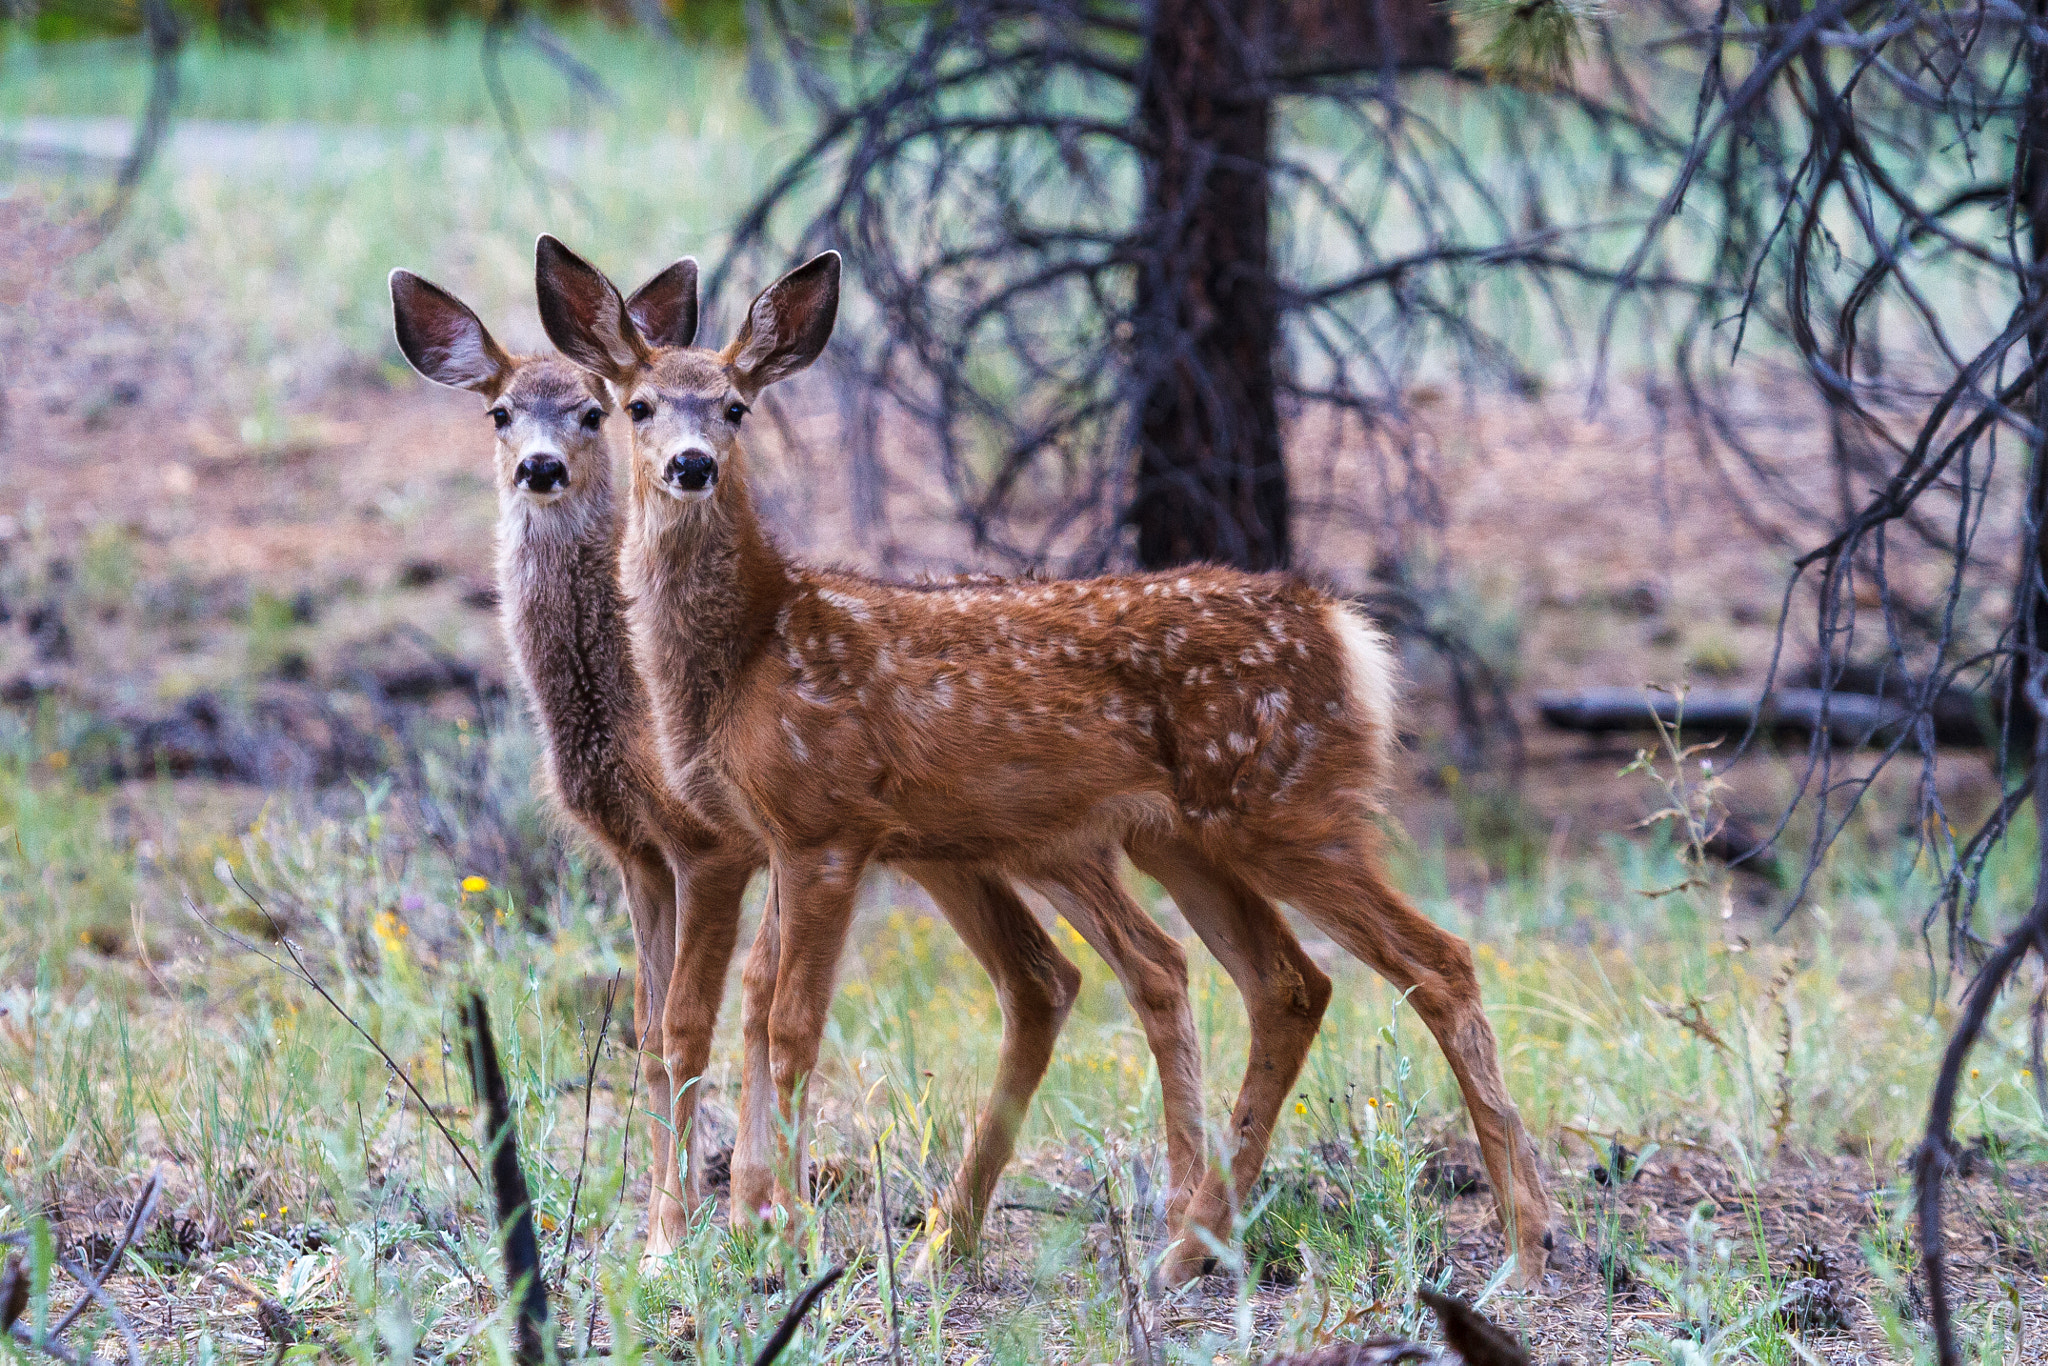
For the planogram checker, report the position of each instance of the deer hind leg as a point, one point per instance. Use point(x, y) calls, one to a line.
point(1285, 995)
point(1349, 896)
point(708, 899)
point(1153, 972)
point(651, 905)
point(1035, 986)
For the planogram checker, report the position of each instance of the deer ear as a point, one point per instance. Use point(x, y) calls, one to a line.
point(788, 325)
point(584, 316)
point(442, 339)
point(665, 308)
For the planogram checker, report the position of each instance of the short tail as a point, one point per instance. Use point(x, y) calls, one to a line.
point(523, 1280)
point(1372, 681)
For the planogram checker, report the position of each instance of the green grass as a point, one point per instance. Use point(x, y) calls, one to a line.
point(291, 1148)
point(393, 78)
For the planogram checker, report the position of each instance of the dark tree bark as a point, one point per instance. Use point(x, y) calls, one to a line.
point(1212, 481)
point(2031, 188)
point(1211, 471)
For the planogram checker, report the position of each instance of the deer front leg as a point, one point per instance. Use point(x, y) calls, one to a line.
point(708, 896)
point(814, 892)
point(753, 1150)
point(651, 906)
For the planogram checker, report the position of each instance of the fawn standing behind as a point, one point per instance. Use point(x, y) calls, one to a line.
point(558, 551)
point(1232, 731)
point(563, 617)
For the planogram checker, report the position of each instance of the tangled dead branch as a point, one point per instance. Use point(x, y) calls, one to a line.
point(1145, 281)
point(1873, 181)
point(1933, 1160)
point(14, 1290)
point(1862, 200)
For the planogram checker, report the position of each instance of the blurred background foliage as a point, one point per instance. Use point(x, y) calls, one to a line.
point(256, 22)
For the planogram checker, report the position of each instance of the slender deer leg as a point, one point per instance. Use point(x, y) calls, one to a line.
point(814, 892)
point(1285, 995)
point(1035, 987)
point(651, 904)
point(1153, 972)
point(1351, 899)
point(708, 899)
point(753, 1151)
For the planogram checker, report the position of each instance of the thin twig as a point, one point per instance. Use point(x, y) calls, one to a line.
point(888, 1256)
point(786, 1330)
point(137, 1217)
point(299, 970)
point(611, 992)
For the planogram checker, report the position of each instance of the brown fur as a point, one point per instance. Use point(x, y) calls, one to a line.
point(1230, 729)
point(564, 618)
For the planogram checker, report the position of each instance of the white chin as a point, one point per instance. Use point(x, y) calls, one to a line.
point(689, 495)
point(551, 497)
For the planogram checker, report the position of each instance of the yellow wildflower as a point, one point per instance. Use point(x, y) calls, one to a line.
point(473, 883)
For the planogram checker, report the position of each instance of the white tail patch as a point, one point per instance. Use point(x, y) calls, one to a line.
point(1372, 678)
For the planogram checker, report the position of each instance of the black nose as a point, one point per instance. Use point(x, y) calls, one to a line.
point(691, 472)
point(541, 474)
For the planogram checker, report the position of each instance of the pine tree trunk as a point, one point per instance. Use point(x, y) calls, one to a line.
point(1211, 481)
point(2031, 173)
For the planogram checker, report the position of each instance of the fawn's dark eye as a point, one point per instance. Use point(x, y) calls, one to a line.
point(593, 419)
point(501, 417)
point(734, 412)
point(639, 410)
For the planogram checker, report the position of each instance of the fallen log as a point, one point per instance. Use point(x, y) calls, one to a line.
point(1850, 718)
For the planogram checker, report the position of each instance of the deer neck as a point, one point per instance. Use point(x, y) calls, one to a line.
point(706, 583)
point(564, 617)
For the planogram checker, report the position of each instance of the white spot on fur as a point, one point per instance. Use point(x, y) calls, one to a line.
point(854, 607)
point(796, 741)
